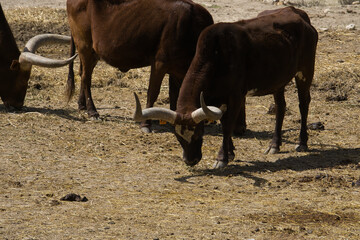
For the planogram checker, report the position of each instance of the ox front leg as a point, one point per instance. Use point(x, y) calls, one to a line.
point(280, 106)
point(226, 153)
point(156, 77)
point(304, 102)
point(228, 122)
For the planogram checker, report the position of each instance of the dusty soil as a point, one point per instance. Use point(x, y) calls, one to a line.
point(137, 185)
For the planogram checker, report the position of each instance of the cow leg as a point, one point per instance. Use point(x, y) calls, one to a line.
point(228, 123)
point(88, 63)
point(81, 100)
point(174, 88)
point(280, 106)
point(156, 76)
point(226, 152)
point(303, 86)
point(241, 120)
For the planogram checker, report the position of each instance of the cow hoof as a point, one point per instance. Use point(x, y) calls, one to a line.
point(95, 119)
point(301, 148)
point(145, 129)
point(94, 115)
point(272, 150)
point(220, 164)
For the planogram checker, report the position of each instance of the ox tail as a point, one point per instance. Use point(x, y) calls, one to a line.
point(70, 86)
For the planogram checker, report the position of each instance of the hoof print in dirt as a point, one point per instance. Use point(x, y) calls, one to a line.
point(316, 126)
point(72, 197)
point(337, 98)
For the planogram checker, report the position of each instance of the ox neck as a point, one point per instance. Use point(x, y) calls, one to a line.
point(189, 96)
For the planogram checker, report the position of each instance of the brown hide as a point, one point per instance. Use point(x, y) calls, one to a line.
point(12, 86)
point(136, 33)
point(256, 57)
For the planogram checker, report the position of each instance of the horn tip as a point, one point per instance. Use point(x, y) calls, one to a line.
point(138, 112)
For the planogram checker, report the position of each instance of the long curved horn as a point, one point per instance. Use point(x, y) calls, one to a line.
point(205, 112)
point(28, 56)
point(154, 113)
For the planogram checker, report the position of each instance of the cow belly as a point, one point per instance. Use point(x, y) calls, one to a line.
point(265, 85)
point(125, 60)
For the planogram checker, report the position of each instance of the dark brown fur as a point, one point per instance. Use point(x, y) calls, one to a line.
point(259, 55)
point(13, 80)
point(135, 33)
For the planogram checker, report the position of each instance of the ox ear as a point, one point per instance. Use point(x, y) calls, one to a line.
point(15, 65)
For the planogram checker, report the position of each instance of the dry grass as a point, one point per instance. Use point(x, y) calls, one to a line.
point(137, 185)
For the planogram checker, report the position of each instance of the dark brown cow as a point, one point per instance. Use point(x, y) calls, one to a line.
point(15, 68)
point(135, 33)
point(250, 57)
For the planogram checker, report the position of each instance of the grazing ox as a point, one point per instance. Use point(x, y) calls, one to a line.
point(256, 57)
point(15, 68)
point(135, 33)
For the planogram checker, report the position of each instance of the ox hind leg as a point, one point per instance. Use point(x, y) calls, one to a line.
point(280, 106)
point(303, 83)
point(156, 76)
point(88, 61)
point(228, 122)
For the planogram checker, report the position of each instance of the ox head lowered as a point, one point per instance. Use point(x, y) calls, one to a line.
point(189, 127)
point(20, 69)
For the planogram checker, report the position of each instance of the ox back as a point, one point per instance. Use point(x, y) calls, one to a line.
point(136, 33)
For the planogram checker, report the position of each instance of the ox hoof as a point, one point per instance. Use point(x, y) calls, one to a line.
point(220, 164)
point(272, 150)
point(301, 148)
point(145, 129)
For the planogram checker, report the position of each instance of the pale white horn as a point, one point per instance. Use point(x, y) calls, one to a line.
point(207, 113)
point(154, 113)
point(29, 57)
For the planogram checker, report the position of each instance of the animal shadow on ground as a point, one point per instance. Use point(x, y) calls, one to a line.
point(63, 113)
point(317, 159)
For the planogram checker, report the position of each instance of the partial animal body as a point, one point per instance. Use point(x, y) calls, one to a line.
point(255, 57)
point(15, 67)
point(135, 33)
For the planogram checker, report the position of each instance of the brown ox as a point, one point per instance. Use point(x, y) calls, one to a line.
point(15, 68)
point(135, 33)
point(258, 57)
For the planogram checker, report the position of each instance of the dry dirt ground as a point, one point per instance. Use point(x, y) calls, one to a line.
point(137, 185)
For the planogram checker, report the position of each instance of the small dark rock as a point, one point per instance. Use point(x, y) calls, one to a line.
point(272, 109)
point(316, 126)
point(74, 198)
point(320, 176)
point(37, 86)
point(337, 98)
point(305, 179)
